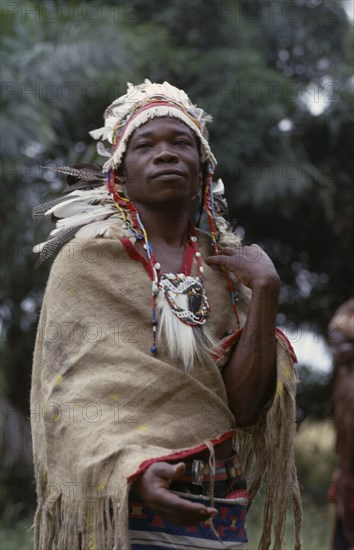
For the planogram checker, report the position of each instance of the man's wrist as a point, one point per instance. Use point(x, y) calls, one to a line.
point(271, 285)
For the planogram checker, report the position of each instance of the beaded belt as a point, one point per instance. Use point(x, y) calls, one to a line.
point(228, 476)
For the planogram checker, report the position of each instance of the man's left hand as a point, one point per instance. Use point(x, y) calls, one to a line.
point(251, 265)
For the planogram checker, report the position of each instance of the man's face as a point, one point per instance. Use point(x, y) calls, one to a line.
point(162, 165)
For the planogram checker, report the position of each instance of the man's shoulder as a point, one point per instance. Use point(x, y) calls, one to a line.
point(87, 254)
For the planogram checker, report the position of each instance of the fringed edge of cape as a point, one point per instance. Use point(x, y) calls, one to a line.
point(65, 523)
point(267, 455)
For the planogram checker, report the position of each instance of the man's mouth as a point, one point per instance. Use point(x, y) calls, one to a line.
point(169, 174)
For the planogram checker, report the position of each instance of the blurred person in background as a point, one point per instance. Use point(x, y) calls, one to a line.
point(341, 340)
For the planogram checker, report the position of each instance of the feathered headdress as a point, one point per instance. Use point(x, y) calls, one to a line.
point(95, 197)
point(139, 105)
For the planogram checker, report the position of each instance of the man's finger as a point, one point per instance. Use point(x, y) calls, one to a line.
point(168, 471)
point(174, 506)
point(221, 258)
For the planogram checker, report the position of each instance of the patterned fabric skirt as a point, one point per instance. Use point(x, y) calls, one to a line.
point(150, 531)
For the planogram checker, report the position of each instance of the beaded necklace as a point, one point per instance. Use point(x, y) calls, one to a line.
point(175, 285)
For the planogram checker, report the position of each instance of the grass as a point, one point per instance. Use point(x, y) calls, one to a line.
point(16, 536)
point(316, 530)
point(315, 458)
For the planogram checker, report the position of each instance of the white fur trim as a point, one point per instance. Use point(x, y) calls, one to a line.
point(183, 341)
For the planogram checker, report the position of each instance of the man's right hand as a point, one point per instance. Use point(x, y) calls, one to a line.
point(153, 487)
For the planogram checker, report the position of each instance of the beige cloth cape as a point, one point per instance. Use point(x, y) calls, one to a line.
point(102, 403)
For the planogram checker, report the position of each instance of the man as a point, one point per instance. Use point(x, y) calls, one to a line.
point(151, 337)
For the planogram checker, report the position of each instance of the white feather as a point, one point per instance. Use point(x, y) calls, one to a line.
point(99, 192)
point(86, 197)
point(38, 248)
point(82, 219)
point(103, 132)
point(94, 230)
point(218, 187)
point(73, 208)
point(102, 150)
point(91, 230)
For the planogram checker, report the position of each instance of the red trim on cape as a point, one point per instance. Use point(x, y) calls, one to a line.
point(231, 340)
point(226, 344)
point(287, 344)
point(180, 455)
point(188, 258)
point(134, 254)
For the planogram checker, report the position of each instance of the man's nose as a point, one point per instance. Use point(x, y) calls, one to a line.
point(165, 154)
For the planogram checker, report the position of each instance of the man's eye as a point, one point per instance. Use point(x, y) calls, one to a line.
point(182, 142)
point(143, 145)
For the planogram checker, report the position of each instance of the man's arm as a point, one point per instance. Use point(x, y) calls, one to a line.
point(250, 374)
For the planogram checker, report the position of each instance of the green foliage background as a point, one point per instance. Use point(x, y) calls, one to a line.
point(288, 173)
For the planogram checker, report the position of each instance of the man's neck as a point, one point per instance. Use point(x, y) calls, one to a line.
point(166, 227)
